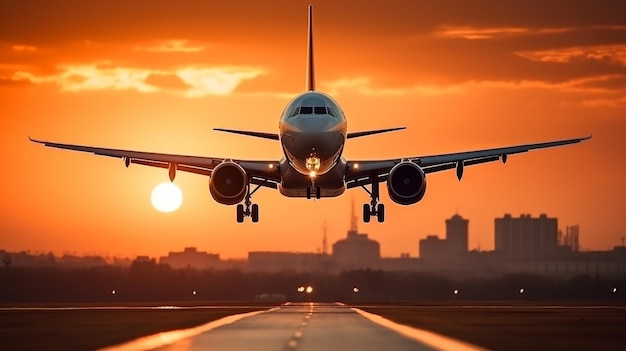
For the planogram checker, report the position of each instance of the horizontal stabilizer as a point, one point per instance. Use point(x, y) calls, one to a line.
point(370, 132)
point(249, 133)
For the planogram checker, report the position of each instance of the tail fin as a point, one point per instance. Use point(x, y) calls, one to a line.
point(310, 74)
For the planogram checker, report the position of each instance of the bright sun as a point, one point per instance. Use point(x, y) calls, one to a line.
point(167, 197)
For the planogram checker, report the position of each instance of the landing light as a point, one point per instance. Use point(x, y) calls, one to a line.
point(355, 290)
point(614, 290)
point(313, 163)
point(309, 289)
point(312, 174)
point(456, 291)
point(301, 289)
point(271, 166)
point(355, 166)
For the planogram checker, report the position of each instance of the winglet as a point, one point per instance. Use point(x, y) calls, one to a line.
point(310, 73)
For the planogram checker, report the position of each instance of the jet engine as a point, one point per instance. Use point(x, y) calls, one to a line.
point(228, 183)
point(406, 183)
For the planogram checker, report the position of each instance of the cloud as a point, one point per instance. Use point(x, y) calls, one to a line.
point(189, 81)
point(603, 84)
point(363, 85)
point(214, 81)
point(4, 81)
point(166, 81)
point(473, 33)
point(477, 33)
point(24, 48)
point(172, 46)
point(93, 77)
point(607, 53)
point(618, 102)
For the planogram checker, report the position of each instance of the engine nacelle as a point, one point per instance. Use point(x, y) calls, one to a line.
point(406, 183)
point(228, 183)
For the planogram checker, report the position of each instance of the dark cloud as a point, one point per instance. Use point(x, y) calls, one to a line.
point(393, 41)
point(7, 82)
point(52, 21)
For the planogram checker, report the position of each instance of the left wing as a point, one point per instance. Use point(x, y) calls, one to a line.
point(361, 172)
point(264, 173)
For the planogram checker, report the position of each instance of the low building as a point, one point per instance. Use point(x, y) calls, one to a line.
point(276, 261)
point(190, 257)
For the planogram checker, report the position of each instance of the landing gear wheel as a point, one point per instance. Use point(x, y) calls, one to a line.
point(254, 215)
point(318, 193)
point(380, 213)
point(308, 192)
point(240, 213)
point(366, 213)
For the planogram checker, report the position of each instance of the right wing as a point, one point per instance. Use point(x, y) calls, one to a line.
point(264, 173)
point(371, 132)
point(362, 172)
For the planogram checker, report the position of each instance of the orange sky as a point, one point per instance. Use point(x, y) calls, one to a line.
point(159, 75)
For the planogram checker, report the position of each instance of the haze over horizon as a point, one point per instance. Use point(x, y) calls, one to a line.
point(159, 75)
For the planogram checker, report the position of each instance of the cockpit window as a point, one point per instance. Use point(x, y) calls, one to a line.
point(295, 112)
point(331, 112)
point(306, 110)
point(310, 110)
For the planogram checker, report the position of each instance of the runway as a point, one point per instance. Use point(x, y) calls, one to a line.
point(302, 327)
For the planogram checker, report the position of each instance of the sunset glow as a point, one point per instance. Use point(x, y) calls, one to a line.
point(160, 75)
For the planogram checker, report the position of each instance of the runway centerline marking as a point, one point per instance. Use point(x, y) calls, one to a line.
point(293, 343)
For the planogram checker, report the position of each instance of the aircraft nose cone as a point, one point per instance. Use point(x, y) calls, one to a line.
point(313, 123)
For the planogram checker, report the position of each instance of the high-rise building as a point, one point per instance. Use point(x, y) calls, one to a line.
point(526, 237)
point(457, 234)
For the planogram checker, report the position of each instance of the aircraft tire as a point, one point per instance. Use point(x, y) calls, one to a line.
point(240, 213)
point(380, 213)
point(255, 213)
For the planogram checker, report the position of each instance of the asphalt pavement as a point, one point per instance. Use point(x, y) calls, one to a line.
point(301, 327)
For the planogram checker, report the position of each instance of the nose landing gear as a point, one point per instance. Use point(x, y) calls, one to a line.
point(313, 189)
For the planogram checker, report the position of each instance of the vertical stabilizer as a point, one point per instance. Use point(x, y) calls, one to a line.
point(310, 72)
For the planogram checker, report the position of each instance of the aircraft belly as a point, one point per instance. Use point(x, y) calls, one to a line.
point(294, 184)
point(326, 146)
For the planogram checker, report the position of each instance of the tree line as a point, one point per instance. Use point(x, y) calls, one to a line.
point(150, 282)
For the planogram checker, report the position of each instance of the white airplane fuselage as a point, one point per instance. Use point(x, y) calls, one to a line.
point(312, 132)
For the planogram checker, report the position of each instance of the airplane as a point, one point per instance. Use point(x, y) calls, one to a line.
point(312, 131)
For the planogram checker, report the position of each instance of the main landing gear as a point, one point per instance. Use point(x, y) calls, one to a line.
point(249, 210)
point(374, 208)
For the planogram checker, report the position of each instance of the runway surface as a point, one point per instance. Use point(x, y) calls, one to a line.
point(302, 327)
